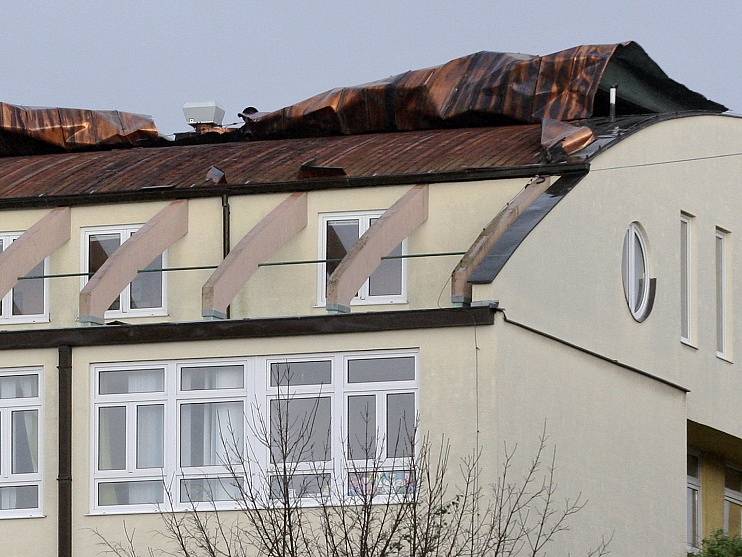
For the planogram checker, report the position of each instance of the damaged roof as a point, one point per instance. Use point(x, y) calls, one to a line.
point(491, 88)
point(484, 115)
point(184, 168)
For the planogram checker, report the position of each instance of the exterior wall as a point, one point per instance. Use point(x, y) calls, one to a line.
point(447, 389)
point(457, 213)
point(565, 278)
point(38, 536)
point(620, 441)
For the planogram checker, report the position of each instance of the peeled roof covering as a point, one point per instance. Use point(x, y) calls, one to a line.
point(260, 162)
point(489, 88)
point(28, 130)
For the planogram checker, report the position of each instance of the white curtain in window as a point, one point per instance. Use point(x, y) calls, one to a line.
point(210, 432)
point(25, 450)
point(18, 386)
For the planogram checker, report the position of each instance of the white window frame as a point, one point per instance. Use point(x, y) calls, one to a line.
point(730, 496)
point(256, 391)
point(381, 390)
point(124, 231)
point(725, 339)
point(695, 485)
point(635, 231)
point(201, 397)
point(7, 302)
point(363, 298)
point(7, 478)
point(687, 298)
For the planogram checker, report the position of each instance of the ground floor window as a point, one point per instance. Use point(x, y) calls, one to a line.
point(693, 515)
point(20, 425)
point(216, 431)
point(733, 501)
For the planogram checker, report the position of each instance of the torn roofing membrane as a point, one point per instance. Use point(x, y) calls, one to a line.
point(26, 130)
point(490, 88)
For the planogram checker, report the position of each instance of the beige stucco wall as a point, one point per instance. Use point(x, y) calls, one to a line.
point(37, 536)
point(446, 385)
point(457, 213)
point(620, 441)
point(565, 277)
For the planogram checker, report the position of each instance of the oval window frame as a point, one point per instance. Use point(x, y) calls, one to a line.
point(635, 231)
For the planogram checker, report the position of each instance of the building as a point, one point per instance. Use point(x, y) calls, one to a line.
point(523, 259)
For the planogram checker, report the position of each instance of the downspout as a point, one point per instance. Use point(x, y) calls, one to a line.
point(64, 478)
point(226, 236)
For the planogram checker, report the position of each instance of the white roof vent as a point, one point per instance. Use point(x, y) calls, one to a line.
point(203, 113)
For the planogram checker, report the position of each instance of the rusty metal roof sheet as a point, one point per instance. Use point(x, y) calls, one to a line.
point(181, 167)
point(490, 88)
point(28, 130)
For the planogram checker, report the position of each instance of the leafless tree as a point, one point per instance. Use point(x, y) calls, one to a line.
point(423, 505)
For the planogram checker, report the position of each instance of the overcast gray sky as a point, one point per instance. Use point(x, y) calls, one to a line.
point(151, 57)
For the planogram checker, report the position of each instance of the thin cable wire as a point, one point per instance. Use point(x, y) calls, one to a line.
point(662, 163)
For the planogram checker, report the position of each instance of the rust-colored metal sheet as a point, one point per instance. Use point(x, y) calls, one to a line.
point(270, 161)
point(29, 130)
point(489, 88)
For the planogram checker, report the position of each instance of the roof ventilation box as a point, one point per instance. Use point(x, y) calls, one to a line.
point(208, 113)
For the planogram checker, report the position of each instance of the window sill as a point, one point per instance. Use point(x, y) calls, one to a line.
point(688, 343)
point(724, 358)
point(17, 516)
point(372, 302)
point(25, 319)
point(111, 315)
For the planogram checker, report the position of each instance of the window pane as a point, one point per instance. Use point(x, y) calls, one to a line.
point(386, 280)
point(146, 288)
point(28, 295)
point(19, 386)
point(300, 430)
point(100, 248)
point(693, 466)
point(147, 492)
point(684, 281)
point(341, 235)
point(208, 490)
point(132, 381)
point(2, 247)
point(362, 427)
point(299, 486)
point(400, 424)
point(720, 294)
point(692, 517)
point(112, 438)
point(383, 482)
point(19, 497)
point(301, 373)
point(733, 479)
point(639, 277)
point(25, 447)
point(210, 433)
point(212, 377)
point(150, 436)
point(381, 369)
point(732, 518)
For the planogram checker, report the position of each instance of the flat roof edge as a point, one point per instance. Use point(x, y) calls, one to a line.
point(366, 322)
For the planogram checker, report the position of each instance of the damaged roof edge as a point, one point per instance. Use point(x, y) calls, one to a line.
point(469, 175)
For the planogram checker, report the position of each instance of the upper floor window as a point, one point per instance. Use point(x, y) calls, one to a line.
point(635, 272)
point(686, 276)
point(20, 467)
point(27, 301)
point(146, 294)
point(733, 502)
point(338, 233)
point(722, 293)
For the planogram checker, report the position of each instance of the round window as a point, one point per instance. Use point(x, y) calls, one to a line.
point(636, 283)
